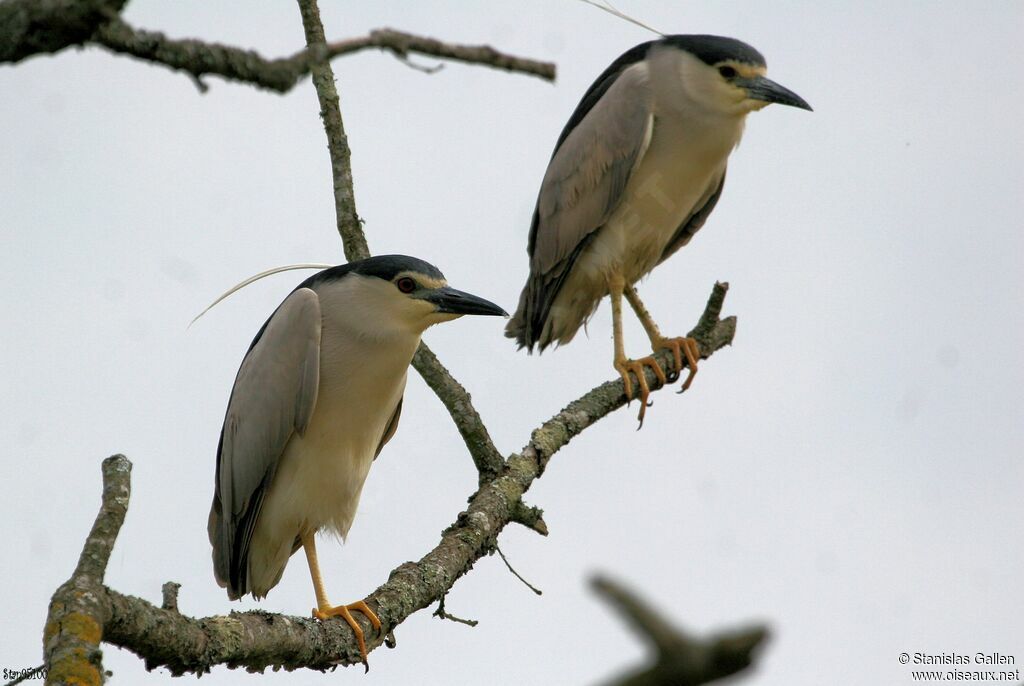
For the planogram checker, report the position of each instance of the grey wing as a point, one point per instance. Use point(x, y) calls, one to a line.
point(588, 173)
point(583, 185)
point(391, 428)
point(273, 397)
point(692, 224)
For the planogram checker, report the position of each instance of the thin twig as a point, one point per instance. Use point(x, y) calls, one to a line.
point(402, 43)
point(517, 574)
point(440, 612)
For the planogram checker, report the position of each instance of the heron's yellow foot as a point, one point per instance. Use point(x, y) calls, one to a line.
point(680, 347)
point(625, 366)
point(344, 611)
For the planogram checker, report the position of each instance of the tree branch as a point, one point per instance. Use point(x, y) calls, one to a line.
point(680, 660)
point(349, 224)
point(467, 420)
point(401, 44)
point(257, 640)
point(31, 27)
point(78, 612)
point(454, 397)
point(199, 58)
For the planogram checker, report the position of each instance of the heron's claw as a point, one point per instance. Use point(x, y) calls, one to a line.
point(344, 611)
point(681, 346)
point(625, 366)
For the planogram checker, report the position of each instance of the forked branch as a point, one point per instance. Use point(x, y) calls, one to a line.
point(84, 612)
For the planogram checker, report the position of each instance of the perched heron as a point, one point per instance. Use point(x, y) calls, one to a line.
point(317, 396)
point(634, 175)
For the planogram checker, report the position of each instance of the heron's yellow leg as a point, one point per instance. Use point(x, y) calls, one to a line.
point(624, 365)
point(324, 609)
point(679, 346)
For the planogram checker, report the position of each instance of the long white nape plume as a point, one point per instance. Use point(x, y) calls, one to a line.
point(611, 9)
point(256, 277)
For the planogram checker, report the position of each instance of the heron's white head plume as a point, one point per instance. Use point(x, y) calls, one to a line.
point(256, 277)
point(611, 9)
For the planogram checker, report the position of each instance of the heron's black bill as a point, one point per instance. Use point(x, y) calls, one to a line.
point(453, 301)
point(762, 88)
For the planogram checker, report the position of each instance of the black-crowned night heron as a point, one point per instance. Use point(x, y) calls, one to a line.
point(635, 173)
point(317, 396)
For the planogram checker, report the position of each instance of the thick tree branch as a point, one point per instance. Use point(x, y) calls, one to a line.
point(257, 640)
point(78, 612)
point(680, 659)
point(31, 27)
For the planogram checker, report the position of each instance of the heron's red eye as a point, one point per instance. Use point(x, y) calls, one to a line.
point(727, 72)
point(406, 285)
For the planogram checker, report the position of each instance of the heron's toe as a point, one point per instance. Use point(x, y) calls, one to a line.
point(345, 612)
point(625, 366)
point(680, 347)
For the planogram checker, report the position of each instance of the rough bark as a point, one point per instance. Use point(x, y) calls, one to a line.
point(84, 612)
point(32, 27)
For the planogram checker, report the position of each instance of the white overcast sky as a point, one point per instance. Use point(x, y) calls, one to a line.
point(849, 471)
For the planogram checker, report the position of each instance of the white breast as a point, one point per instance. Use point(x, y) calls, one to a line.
point(676, 175)
point(321, 474)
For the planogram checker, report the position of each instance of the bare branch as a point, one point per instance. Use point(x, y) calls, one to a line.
point(516, 574)
point(257, 640)
point(455, 398)
point(530, 517)
point(680, 659)
point(349, 224)
point(78, 611)
point(440, 612)
point(467, 420)
point(711, 334)
point(401, 44)
point(31, 27)
point(198, 58)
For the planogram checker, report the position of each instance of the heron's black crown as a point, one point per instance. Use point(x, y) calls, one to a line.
point(382, 266)
point(709, 49)
point(714, 49)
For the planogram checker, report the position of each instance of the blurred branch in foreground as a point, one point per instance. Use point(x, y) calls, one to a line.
point(679, 659)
